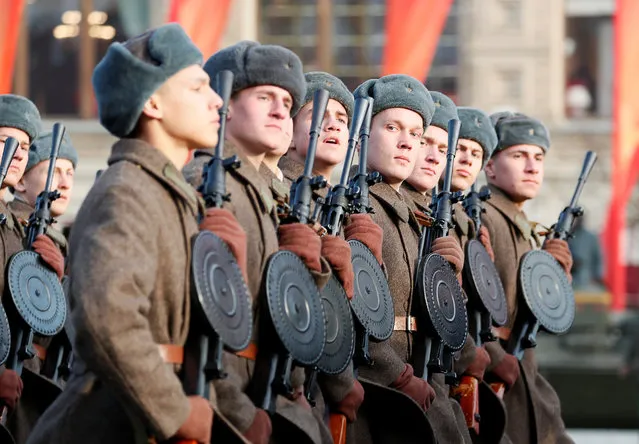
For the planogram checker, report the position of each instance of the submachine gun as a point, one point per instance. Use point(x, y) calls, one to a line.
point(36, 303)
point(441, 316)
point(221, 311)
point(293, 329)
point(548, 295)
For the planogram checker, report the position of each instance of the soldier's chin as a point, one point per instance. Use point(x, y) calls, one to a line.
point(58, 208)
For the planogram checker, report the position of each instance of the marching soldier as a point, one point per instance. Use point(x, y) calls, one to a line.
point(33, 181)
point(418, 189)
point(20, 119)
point(515, 174)
point(402, 109)
point(477, 140)
point(268, 89)
point(130, 251)
point(342, 393)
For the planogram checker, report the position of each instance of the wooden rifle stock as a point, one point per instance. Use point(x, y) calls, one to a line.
point(337, 424)
point(467, 393)
point(499, 388)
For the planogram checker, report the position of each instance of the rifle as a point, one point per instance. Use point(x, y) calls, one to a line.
point(473, 204)
point(435, 346)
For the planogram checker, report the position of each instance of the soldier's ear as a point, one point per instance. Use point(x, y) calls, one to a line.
point(490, 169)
point(20, 186)
point(152, 107)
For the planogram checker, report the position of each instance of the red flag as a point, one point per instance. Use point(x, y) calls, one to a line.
point(625, 144)
point(10, 17)
point(413, 28)
point(203, 20)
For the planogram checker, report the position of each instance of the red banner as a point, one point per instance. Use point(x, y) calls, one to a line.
point(203, 20)
point(625, 144)
point(413, 28)
point(10, 17)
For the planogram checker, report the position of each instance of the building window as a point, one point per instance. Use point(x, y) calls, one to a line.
point(53, 70)
point(357, 39)
point(589, 66)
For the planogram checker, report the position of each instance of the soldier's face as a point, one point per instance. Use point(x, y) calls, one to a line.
point(430, 161)
point(333, 139)
point(20, 158)
point(468, 161)
point(518, 170)
point(273, 157)
point(188, 109)
point(259, 117)
point(34, 180)
point(394, 144)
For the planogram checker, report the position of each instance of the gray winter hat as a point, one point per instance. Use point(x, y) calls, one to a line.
point(445, 109)
point(398, 91)
point(40, 150)
point(519, 129)
point(124, 81)
point(476, 125)
point(254, 64)
point(20, 113)
point(335, 87)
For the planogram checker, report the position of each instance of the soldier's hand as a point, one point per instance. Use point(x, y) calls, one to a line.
point(259, 432)
point(301, 240)
point(338, 254)
point(362, 228)
point(351, 402)
point(10, 388)
point(484, 238)
point(479, 364)
point(508, 370)
point(449, 248)
point(50, 254)
point(559, 250)
point(199, 422)
point(419, 390)
point(224, 224)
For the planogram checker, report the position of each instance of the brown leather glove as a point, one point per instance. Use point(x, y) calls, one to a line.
point(260, 429)
point(479, 364)
point(559, 250)
point(351, 402)
point(224, 224)
point(199, 423)
point(418, 389)
point(50, 254)
point(484, 238)
point(362, 228)
point(508, 370)
point(10, 388)
point(449, 248)
point(301, 240)
point(338, 254)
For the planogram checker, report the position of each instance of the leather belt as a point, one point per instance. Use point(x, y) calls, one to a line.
point(404, 324)
point(172, 354)
point(249, 352)
point(502, 333)
point(40, 351)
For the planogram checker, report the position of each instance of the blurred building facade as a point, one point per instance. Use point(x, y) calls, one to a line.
point(551, 59)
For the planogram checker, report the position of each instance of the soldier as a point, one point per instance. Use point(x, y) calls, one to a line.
point(20, 119)
point(130, 252)
point(418, 188)
point(515, 173)
point(342, 393)
point(35, 176)
point(268, 89)
point(402, 109)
